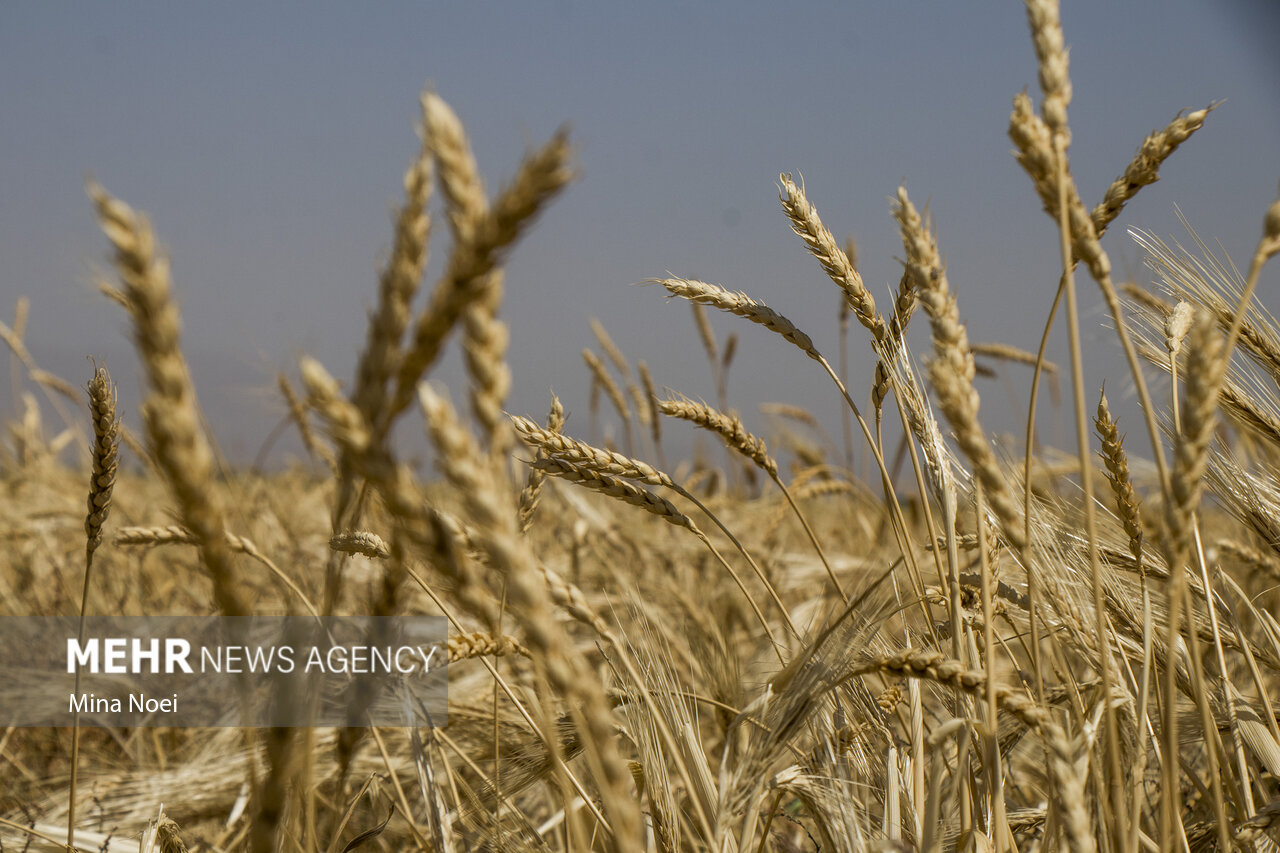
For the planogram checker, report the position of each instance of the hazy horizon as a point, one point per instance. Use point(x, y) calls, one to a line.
point(267, 144)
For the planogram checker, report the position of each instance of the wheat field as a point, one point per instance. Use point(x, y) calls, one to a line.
point(972, 646)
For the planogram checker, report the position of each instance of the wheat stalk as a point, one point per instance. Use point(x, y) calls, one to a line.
point(952, 369)
point(737, 438)
point(532, 492)
point(170, 411)
point(530, 605)
point(728, 427)
point(1117, 464)
point(742, 305)
point(611, 390)
point(619, 489)
point(106, 449)
point(105, 460)
point(1144, 169)
point(485, 338)
point(582, 457)
point(541, 177)
point(478, 644)
point(397, 285)
point(298, 414)
point(822, 245)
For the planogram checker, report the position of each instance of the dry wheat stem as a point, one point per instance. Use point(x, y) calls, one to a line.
point(1042, 151)
point(1078, 239)
point(756, 312)
point(651, 402)
point(1145, 166)
point(1205, 369)
point(1268, 247)
point(590, 478)
point(1010, 353)
point(729, 427)
point(350, 431)
point(904, 305)
point(170, 411)
point(13, 338)
point(820, 242)
point(530, 605)
point(951, 370)
point(105, 461)
point(1071, 217)
point(531, 494)
point(542, 175)
point(54, 383)
point(397, 285)
point(298, 414)
point(611, 389)
point(1028, 451)
point(740, 304)
point(177, 535)
point(1069, 790)
point(641, 403)
point(105, 456)
point(705, 332)
point(609, 463)
point(579, 452)
point(1035, 153)
point(736, 437)
point(610, 349)
point(485, 338)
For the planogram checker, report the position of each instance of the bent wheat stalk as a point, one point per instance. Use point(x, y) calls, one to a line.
point(738, 439)
point(611, 464)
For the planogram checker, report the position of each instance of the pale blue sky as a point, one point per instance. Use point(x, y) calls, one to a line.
point(267, 142)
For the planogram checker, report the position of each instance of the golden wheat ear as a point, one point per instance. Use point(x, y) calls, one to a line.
point(170, 411)
point(106, 454)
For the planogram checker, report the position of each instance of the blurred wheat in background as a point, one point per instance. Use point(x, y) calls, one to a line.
point(957, 648)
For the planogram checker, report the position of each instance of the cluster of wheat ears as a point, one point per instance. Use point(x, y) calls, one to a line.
point(1010, 654)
